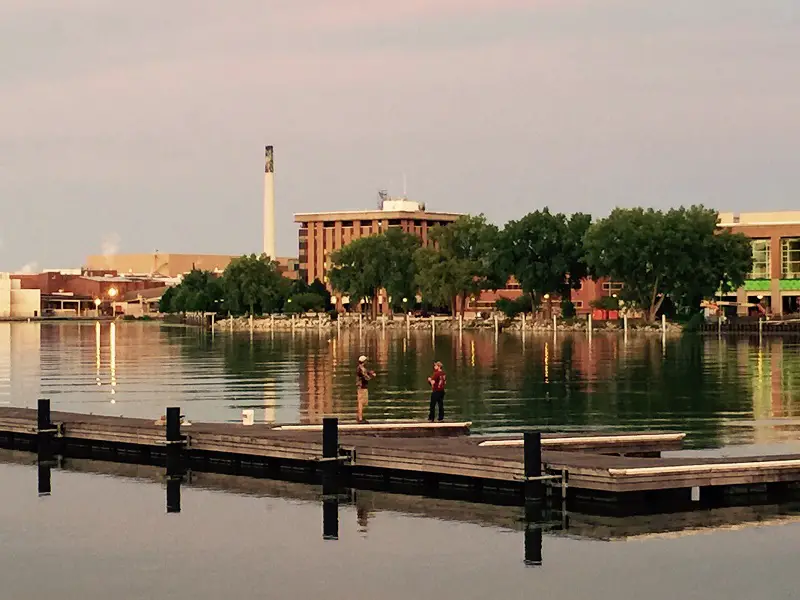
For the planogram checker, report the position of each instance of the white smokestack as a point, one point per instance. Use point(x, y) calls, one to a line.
point(269, 203)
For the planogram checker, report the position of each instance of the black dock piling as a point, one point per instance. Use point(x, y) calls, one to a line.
point(330, 437)
point(175, 463)
point(330, 483)
point(173, 424)
point(43, 415)
point(533, 466)
point(330, 455)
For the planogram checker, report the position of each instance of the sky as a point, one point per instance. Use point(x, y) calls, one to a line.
point(131, 127)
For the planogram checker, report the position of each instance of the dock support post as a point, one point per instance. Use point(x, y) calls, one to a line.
point(496, 326)
point(408, 324)
point(663, 325)
point(760, 329)
point(330, 501)
point(251, 324)
point(523, 322)
point(175, 442)
point(589, 329)
point(330, 437)
point(44, 445)
point(532, 441)
point(433, 325)
point(460, 323)
point(555, 325)
point(230, 322)
point(272, 322)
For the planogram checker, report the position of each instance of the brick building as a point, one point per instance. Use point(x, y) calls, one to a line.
point(774, 281)
point(322, 233)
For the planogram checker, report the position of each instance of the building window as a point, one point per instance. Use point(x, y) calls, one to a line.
point(790, 258)
point(612, 287)
point(578, 304)
point(347, 223)
point(761, 259)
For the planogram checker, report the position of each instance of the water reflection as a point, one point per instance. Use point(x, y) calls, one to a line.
point(721, 391)
point(537, 530)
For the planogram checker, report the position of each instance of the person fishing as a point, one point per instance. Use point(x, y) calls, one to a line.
point(437, 382)
point(363, 376)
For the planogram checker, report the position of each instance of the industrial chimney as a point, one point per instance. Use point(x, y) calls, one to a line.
point(269, 203)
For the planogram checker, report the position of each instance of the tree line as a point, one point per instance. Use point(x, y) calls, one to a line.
point(678, 255)
point(250, 285)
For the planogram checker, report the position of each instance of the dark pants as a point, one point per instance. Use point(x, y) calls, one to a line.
point(437, 398)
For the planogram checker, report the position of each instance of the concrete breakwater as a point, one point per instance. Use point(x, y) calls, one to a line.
point(323, 321)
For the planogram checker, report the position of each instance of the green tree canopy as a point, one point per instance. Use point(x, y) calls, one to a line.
point(680, 254)
point(198, 291)
point(253, 284)
point(366, 265)
point(544, 252)
point(462, 262)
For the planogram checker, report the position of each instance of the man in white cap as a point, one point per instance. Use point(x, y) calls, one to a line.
point(363, 375)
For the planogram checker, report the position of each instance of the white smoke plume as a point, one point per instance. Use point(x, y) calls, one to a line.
point(110, 244)
point(31, 267)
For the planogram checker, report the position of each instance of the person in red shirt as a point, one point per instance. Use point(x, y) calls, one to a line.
point(437, 380)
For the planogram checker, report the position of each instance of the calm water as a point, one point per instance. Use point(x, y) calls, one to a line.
point(108, 536)
point(722, 392)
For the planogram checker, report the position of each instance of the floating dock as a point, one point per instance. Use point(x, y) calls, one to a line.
point(609, 473)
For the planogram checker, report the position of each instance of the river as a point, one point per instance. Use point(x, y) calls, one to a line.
point(721, 392)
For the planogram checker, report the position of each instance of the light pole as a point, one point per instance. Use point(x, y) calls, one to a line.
point(97, 303)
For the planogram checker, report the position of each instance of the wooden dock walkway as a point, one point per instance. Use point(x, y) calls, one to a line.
point(596, 469)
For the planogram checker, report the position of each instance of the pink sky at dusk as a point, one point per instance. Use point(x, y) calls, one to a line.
point(148, 121)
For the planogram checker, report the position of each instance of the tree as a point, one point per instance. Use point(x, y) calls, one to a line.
point(253, 284)
point(544, 252)
point(367, 265)
point(680, 254)
point(198, 291)
point(462, 262)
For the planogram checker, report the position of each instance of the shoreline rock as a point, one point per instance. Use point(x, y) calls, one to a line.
point(325, 323)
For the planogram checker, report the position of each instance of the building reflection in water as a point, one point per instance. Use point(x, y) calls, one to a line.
point(20, 363)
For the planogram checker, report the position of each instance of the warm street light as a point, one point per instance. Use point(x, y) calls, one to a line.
point(97, 302)
point(112, 292)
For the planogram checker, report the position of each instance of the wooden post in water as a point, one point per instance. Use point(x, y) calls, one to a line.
point(590, 327)
point(44, 445)
point(433, 325)
point(330, 472)
point(760, 328)
point(360, 316)
point(408, 324)
point(523, 322)
point(532, 456)
point(460, 322)
point(625, 326)
point(251, 324)
point(272, 322)
point(555, 326)
point(230, 322)
point(175, 442)
point(496, 326)
point(664, 330)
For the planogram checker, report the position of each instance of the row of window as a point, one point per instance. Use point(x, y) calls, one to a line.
point(762, 259)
